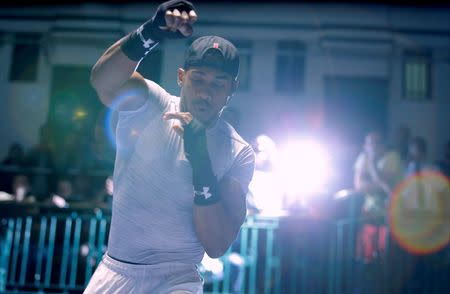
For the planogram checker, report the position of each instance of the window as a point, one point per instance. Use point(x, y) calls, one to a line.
point(25, 58)
point(416, 79)
point(245, 63)
point(290, 69)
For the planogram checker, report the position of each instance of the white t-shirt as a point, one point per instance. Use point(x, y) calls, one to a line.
point(152, 214)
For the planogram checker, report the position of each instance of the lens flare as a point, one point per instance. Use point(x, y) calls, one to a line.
point(419, 213)
point(109, 128)
point(110, 119)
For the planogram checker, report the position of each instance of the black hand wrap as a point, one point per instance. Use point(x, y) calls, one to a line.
point(196, 151)
point(141, 41)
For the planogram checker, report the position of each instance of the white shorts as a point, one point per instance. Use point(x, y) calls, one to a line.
point(113, 276)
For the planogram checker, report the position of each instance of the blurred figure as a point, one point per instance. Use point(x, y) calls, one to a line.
point(376, 172)
point(63, 193)
point(20, 192)
point(22, 189)
point(104, 198)
point(417, 157)
point(15, 156)
point(69, 193)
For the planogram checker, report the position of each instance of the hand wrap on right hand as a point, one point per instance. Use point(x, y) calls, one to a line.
point(141, 41)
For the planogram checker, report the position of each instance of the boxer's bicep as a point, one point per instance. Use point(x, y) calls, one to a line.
point(234, 201)
point(130, 96)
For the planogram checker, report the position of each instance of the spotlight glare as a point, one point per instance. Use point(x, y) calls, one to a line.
point(304, 167)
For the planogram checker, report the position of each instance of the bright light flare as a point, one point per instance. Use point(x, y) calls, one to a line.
point(304, 167)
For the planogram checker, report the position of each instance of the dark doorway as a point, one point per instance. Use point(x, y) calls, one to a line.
point(353, 106)
point(73, 111)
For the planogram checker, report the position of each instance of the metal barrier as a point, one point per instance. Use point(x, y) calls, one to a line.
point(256, 274)
point(50, 252)
point(390, 268)
point(60, 251)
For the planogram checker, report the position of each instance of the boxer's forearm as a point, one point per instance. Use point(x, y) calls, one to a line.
point(217, 225)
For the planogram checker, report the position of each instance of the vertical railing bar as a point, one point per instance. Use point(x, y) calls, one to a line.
point(65, 252)
point(332, 261)
point(269, 265)
point(25, 251)
point(254, 253)
point(17, 237)
point(226, 272)
point(50, 250)
point(5, 255)
point(40, 251)
point(244, 253)
point(91, 242)
point(339, 251)
point(101, 240)
point(75, 251)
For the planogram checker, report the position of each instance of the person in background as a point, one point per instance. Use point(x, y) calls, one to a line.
point(63, 193)
point(105, 196)
point(417, 157)
point(20, 190)
point(377, 171)
point(74, 192)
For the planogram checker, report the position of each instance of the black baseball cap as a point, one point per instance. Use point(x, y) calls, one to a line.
point(215, 52)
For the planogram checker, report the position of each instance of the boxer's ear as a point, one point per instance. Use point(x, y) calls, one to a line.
point(234, 86)
point(180, 76)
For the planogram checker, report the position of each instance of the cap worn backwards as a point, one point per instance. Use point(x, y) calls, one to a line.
point(215, 52)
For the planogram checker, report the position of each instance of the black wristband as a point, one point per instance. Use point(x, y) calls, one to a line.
point(196, 151)
point(147, 36)
point(136, 46)
point(207, 196)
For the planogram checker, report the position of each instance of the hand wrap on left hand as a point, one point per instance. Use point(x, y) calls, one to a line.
point(196, 151)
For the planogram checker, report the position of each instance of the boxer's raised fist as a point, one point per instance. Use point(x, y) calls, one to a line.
point(175, 18)
point(172, 20)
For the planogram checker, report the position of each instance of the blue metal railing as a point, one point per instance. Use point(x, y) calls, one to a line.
point(60, 251)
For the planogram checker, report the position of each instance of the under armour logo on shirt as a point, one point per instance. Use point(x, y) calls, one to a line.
point(205, 192)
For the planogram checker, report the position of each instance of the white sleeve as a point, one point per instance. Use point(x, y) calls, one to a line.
point(158, 101)
point(243, 167)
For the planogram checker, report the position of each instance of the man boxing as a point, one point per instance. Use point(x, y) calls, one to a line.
point(181, 172)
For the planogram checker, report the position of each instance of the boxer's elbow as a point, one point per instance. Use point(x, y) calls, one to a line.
point(216, 249)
